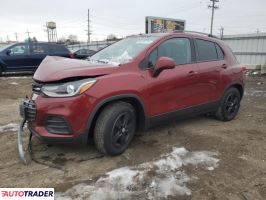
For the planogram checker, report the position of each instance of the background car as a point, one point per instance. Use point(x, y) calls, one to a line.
point(83, 53)
point(28, 56)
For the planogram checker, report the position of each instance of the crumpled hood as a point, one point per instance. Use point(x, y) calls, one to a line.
point(54, 68)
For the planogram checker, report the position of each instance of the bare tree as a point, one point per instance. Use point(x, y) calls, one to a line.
point(111, 37)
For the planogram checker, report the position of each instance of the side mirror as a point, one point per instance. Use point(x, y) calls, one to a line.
point(163, 63)
point(8, 52)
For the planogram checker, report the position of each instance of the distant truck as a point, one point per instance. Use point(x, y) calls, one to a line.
point(27, 56)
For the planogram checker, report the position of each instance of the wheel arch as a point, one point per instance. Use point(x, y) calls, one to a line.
point(238, 86)
point(2, 66)
point(134, 100)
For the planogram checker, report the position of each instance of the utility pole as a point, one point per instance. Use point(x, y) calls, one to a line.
point(16, 36)
point(89, 33)
point(222, 32)
point(213, 7)
point(28, 34)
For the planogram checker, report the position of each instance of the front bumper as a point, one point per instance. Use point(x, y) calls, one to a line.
point(74, 110)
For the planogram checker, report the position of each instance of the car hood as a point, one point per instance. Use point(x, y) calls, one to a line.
point(54, 68)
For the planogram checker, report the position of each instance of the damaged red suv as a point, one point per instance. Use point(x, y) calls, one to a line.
point(131, 85)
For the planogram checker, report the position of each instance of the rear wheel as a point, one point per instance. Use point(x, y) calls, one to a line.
point(229, 106)
point(115, 128)
point(1, 70)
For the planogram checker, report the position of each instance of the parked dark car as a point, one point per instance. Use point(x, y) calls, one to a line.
point(132, 85)
point(83, 53)
point(28, 56)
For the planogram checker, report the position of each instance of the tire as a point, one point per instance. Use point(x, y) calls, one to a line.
point(1, 71)
point(115, 128)
point(229, 105)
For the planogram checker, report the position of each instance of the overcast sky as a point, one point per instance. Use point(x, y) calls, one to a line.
point(124, 17)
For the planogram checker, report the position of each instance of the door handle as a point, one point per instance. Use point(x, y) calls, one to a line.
point(192, 73)
point(224, 66)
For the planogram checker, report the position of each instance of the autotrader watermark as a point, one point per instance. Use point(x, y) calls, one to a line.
point(26, 193)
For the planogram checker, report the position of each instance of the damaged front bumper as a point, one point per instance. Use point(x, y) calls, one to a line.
point(28, 113)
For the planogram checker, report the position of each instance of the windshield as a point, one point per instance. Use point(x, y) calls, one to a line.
point(5, 46)
point(124, 50)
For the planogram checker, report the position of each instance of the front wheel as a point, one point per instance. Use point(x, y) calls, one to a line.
point(229, 106)
point(115, 128)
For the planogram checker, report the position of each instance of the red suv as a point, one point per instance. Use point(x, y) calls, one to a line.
point(132, 85)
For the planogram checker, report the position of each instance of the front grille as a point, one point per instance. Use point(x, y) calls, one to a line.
point(30, 110)
point(36, 87)
point(57, 125)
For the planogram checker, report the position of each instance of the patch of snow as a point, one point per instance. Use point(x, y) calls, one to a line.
point(11, 127)
point(150, 180)
point(144, 42)
point(14, 83)
point(256, 93)
point(16, 77)
point(123, 58)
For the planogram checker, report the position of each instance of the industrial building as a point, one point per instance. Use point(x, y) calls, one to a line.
point(250, 49)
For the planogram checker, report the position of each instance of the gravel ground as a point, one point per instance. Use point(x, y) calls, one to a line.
point(239, 148)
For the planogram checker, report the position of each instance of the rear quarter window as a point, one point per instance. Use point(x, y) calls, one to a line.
point(58, 49)
point(206, 50)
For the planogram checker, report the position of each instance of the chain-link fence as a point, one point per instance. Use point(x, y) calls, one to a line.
point(95, 45)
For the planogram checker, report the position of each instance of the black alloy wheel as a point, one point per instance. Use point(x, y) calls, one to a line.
point(115, 128)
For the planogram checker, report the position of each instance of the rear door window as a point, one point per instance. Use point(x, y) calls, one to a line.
point(206, 50)
point(39, 49)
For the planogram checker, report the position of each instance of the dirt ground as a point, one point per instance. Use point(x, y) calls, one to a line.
point(241, 144)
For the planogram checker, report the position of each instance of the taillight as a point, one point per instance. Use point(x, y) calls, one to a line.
point(71, 55)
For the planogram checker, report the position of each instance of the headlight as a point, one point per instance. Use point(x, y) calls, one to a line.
point(68, 89)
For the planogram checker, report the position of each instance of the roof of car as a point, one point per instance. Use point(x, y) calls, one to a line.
point(190, 33)
point(50, 43)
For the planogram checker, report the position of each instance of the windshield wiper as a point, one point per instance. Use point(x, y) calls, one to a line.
point(102, 61)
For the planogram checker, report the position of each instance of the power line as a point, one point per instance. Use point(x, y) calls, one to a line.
point(213, 7)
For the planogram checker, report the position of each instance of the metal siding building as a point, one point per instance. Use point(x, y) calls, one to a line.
point(250, 49)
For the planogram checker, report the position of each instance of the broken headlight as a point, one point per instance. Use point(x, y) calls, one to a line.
point(68, 89)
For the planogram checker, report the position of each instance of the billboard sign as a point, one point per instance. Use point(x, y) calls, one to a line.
point(163, 25)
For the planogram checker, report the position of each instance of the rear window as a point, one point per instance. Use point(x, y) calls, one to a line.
point(58, 49)
point(206, 50)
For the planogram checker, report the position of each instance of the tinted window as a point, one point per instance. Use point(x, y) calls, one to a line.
point(58, 49)
point(19, 49)
point(177, 48)
point(39, 49)
point(206, 50)
point(220, 52)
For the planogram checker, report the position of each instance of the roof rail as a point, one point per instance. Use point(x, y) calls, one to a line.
point(197, 32)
